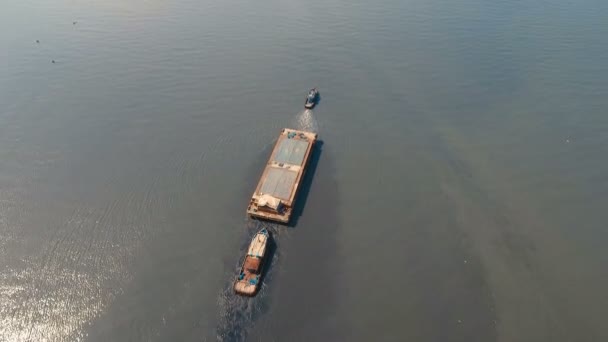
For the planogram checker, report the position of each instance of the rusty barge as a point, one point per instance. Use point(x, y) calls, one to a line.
point(275, 194)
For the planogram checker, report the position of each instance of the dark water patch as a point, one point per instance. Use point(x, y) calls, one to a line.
point(306, 184)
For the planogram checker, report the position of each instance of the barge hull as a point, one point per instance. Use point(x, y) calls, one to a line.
point(276, 192)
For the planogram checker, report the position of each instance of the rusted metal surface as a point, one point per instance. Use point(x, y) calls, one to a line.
point(248, 280)
point(276, 192)
point(252, 264)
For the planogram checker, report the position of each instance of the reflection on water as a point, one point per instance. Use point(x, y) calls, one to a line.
point(67, 303)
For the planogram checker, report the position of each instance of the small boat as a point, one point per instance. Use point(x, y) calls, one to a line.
point(311, 99)
point(247, 282)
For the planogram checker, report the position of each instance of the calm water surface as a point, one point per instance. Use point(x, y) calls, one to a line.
point(460, 192)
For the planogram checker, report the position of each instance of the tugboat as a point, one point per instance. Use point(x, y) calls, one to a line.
point(311, 99)
point(247, 283)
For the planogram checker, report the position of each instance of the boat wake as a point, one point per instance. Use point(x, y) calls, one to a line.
point(236, 315)
point(306, 121)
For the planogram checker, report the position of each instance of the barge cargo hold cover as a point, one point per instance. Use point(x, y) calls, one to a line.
point(276, 192)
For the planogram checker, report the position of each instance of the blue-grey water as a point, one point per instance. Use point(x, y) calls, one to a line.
point(460, 192)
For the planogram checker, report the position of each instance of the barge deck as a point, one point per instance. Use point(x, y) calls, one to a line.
point(275, 194)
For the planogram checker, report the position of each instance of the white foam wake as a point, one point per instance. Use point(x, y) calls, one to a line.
point(306, 121)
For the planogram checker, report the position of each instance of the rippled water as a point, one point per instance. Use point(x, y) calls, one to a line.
point(458, 194)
